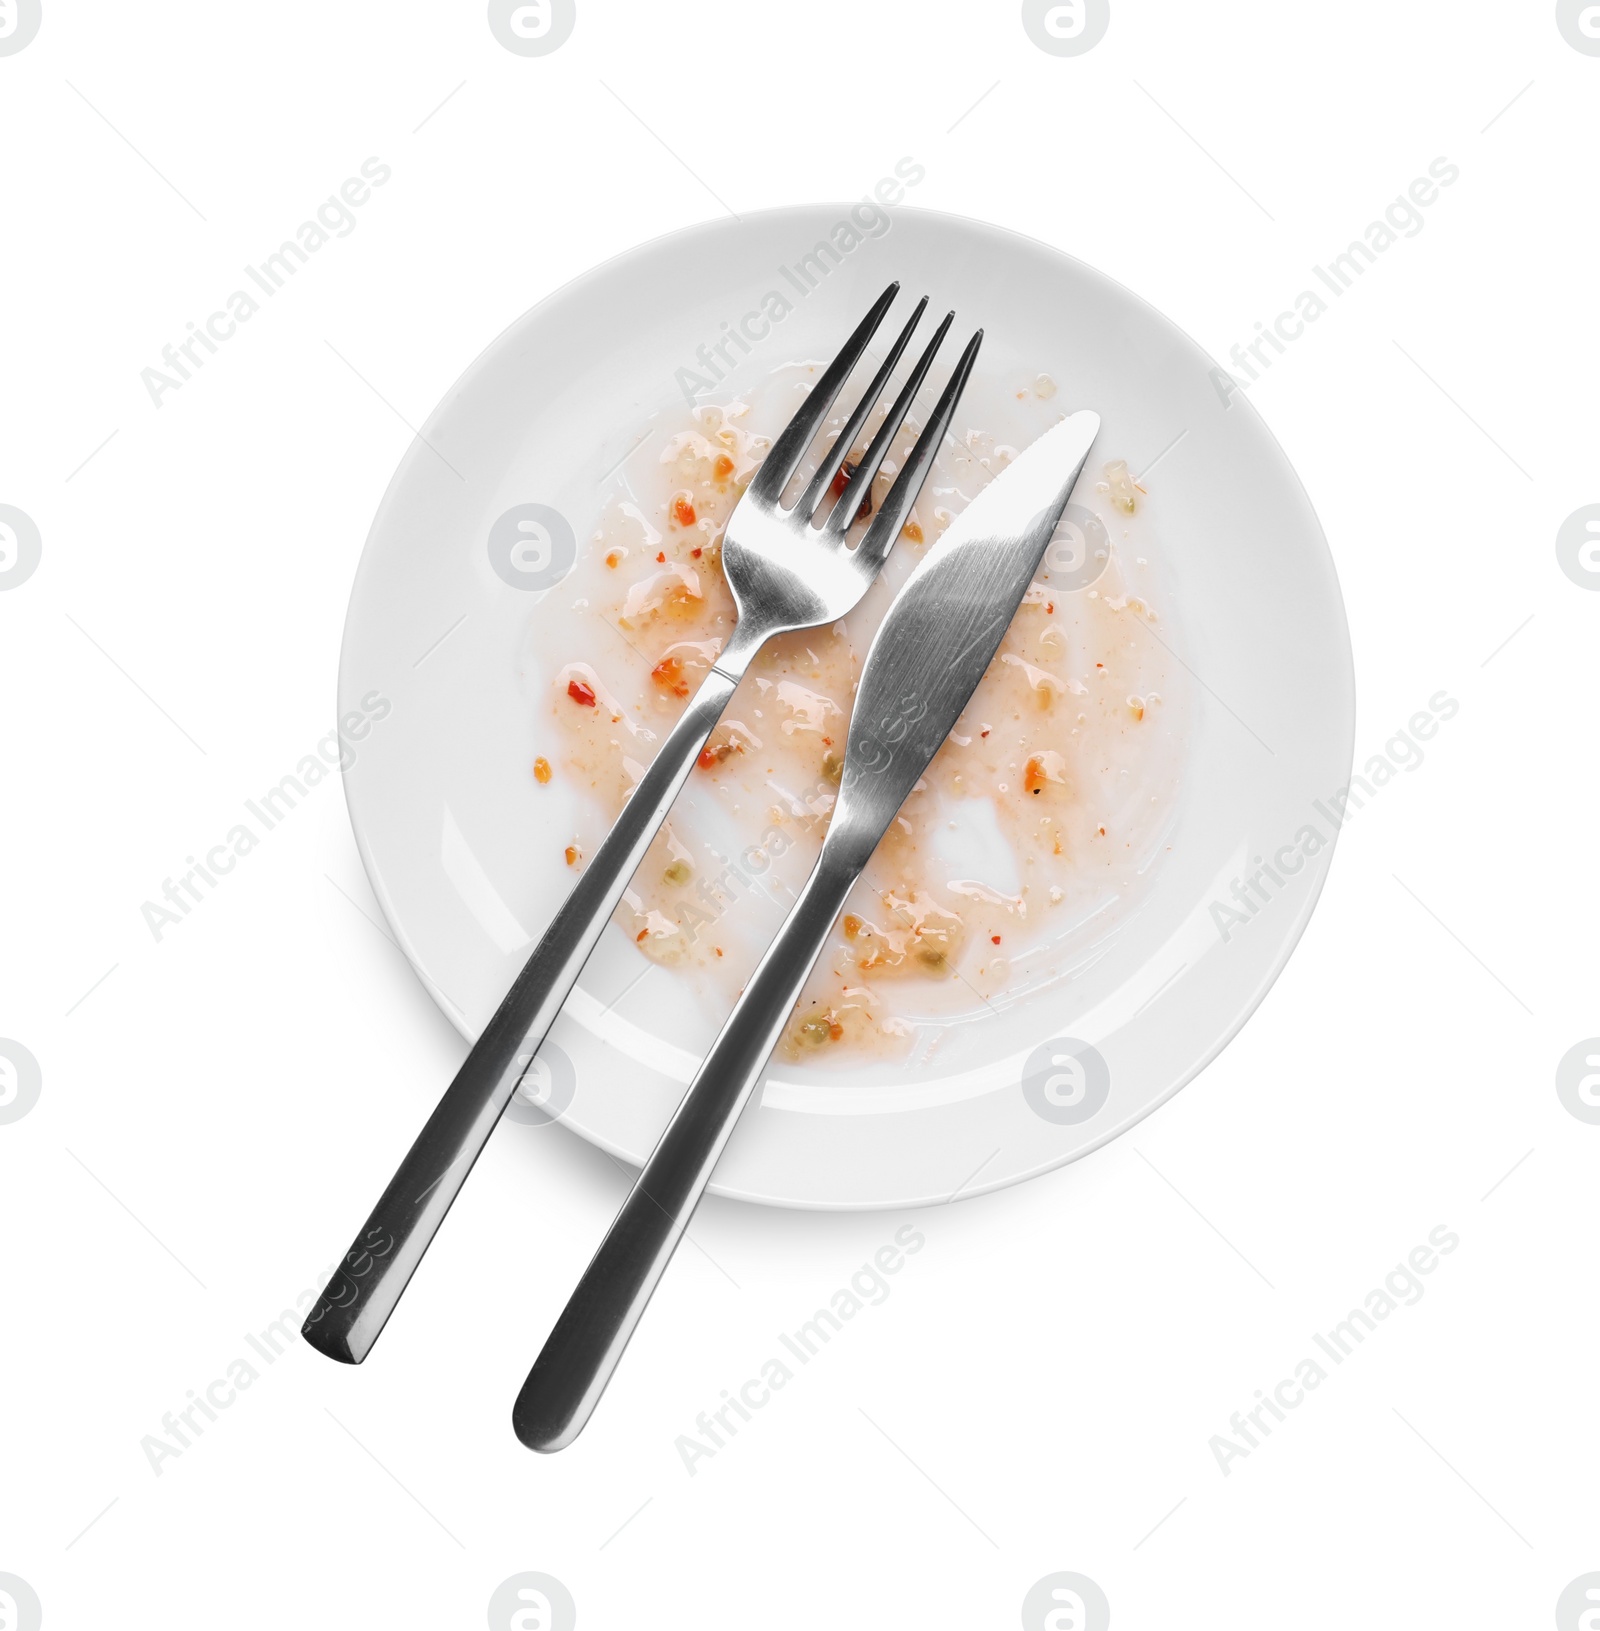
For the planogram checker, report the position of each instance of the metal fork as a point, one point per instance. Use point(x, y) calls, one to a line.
point(786, 572)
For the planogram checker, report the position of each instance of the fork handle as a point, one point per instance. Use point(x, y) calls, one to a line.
point(588, 1340)
point(362, 1294)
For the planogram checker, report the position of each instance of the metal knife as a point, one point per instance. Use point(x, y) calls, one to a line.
point(925, 661)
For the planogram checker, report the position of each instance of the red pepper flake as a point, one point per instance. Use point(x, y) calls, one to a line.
point(542, 771)
point(835, 1030)
point(697, 552)
point(717, 950)
point(614, 558)
point(669, 675)
point(1049, 608)
point(574, 855)
point(683, 510)
point(712, 754)
point(723, 468)
point(842, 480)
point(580, 693)
point(661, 556)
point(994, 939)
point(640, 935)
point(911, 532)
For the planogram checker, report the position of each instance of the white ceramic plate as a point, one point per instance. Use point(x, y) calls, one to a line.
point(456, 837)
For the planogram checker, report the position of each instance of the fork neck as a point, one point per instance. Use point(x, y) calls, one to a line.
point(742, 646)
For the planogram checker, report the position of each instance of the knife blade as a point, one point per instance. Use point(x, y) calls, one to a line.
point(946, 624)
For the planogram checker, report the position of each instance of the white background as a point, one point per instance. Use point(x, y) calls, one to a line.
point(1040, 1391)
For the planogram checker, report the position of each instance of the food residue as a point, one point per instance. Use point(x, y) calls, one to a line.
point(1074, 732)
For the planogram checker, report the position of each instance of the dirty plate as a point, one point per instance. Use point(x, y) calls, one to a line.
point(460, 590)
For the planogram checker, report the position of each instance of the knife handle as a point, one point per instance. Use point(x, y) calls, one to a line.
point(588, 1340)
point(360, 1297)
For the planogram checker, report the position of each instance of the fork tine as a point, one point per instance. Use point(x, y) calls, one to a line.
point(846, 439)
point(886, 524)
point(843, 513)
point(791, 445)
